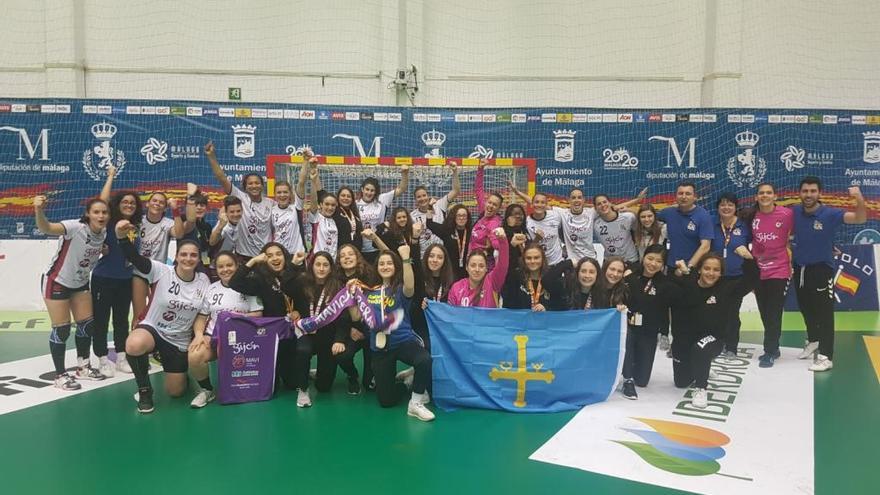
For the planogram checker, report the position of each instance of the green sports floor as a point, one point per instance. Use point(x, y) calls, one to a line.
point(96, 442)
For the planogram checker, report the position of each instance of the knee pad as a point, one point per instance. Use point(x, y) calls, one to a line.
point(84, 327)
point(59, 334)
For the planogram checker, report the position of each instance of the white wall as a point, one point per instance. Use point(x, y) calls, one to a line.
point(640, 53)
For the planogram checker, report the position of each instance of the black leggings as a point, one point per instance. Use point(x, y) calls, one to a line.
point(641, 345)
point(815, 296)
point(731, 335)
point(294, 356)
point(770, 295)
point(691, 360)
point(327, 362)
point(385, 368)
point(110, 295)
point(346, 359)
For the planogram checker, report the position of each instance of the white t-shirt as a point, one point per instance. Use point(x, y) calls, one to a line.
point(78, 251)
point(325, 234)
point(174, 303)
point(285, 226)
point(551, 243)
point(155, 238)
point(617, 235)
point(255, 227)
point(221, 298)
point(577, 231)
point(372, 214)
point(439, 214)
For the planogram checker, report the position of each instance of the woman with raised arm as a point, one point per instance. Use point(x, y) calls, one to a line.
point(373, 206)
point(402, 344)
point(65, 286)
point(488, 205)
point(428, 208)
point(255, 227)
point(167, 325)
point(154, 235)
point(706, 297)
point(322, 211)
point(455, 232)
point(483, 285)
point(111, 280)
point(264, 276)
point(220, 297)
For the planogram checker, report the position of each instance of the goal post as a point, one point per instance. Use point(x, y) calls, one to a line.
point(432, 173)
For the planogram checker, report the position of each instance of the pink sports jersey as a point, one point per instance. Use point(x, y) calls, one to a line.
point(481, 233)
point(461, 293)
point(770, 233)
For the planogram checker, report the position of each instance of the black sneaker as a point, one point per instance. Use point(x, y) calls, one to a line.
point(354, 385)
point(629, 390)
point(145, 400)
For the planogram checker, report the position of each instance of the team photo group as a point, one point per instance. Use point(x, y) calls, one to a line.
point(347, 272)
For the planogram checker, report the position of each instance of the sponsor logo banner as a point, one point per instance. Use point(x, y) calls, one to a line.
point(734, 446)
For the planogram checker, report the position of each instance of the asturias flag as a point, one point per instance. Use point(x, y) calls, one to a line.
point(524, 361)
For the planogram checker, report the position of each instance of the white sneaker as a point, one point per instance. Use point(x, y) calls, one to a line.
point(663, 343)
point(202, 399)
point(106, 367)
point(809, 351)
point(313, 374)
point(122, 363)
point(699, 399)
point(821, 363)
point(88, 373)
point(66, 382)
point(406, 376)
point(418, 410)
point(303, 399)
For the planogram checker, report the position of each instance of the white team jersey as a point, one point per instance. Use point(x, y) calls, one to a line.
point(255, 227)
point(78, 251)
point(174, 303)
point(155, 238)
point(616, 235)
point(372, 214)
point(439, 214)
point(227, 237)
point(325, 234)
point(551, 243)
point(577, 232)
point(285, 226)
point(221, 298)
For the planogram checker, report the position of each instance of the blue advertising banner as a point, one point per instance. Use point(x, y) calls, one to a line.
point(62, 148)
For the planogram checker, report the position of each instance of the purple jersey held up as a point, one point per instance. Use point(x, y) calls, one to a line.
point(246, 351)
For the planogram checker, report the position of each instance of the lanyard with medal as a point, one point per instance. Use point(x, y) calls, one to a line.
point(462, 242)
point(535, 291)
point(317, 307)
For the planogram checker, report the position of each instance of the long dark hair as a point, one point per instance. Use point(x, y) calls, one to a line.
point(363, 270)
point(711, 255)
point(447, 276)
point(115, 205)
point(748, 214)
point(613, 294)
point(331, 283)
point(352, 209)
point(403, 233)
point(397, 279)
point(524, 272)
point(449, 221)
point(265, 272)
point(654, 231)
point(508, 212)
point(573, 284)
